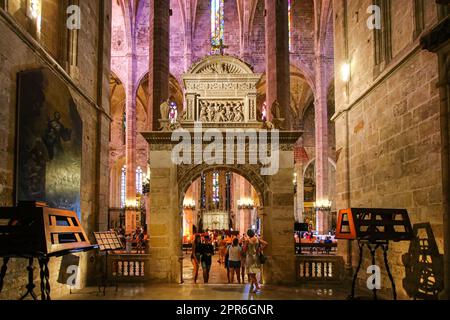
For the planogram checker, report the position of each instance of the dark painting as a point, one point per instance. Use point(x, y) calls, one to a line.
point(49, 143)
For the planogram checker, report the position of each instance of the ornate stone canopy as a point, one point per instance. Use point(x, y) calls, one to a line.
point(221, 91)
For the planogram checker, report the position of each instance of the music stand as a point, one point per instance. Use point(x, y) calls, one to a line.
point(107, 241)
point(31, 231)
point(375, 229)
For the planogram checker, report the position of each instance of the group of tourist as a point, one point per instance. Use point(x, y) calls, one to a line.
point(238, 255)
point(136, 239)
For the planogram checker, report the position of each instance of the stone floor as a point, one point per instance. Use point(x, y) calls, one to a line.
point(211, 292)
point(217, 289)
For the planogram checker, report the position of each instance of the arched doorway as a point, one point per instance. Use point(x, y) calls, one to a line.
point(222, 204)
point(224, 109)
point(309, 185)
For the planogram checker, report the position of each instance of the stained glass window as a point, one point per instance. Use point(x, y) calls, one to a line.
point(123, 186)
point(139, 181)
point(216, 197)
point(217, 24)
point(203, 191)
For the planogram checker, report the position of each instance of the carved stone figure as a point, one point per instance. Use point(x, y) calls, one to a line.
point(277, 120)
point(276, 111)
point(229, 113)
point(203, 115)
point(238, 114)
point(209, 114)
point(220, 116)
point(222, 111)
point(165, 109)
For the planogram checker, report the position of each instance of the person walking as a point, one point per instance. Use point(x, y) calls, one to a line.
point(234, 260)
point(196, 255)
point(243, 259)
point(207, 252)
point(253, 247)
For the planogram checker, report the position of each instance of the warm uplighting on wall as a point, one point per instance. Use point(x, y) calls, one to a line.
point(189, 204)
point(34, 8)
point(322, 205)
point(34, 13)
point(245, 203)
point(346, 72)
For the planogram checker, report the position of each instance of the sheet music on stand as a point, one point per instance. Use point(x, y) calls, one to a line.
point(107, 241)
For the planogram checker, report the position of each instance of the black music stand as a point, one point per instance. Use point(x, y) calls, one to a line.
point(107, 241)
point(374, 229)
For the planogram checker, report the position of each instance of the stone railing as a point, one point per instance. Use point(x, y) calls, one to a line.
point(128, 267)
point(319, 268)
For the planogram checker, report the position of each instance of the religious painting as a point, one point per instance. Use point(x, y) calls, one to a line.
point(309, 194)
point(49, 142)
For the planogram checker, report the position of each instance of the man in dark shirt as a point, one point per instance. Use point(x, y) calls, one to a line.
point(207, 251)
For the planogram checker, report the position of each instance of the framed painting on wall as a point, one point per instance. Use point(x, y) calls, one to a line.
point(49, 142)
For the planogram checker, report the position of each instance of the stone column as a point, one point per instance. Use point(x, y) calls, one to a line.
point(278, 58)
point(252, 98)
point(321, 113)
point(245, 30)
point(165, 220)
point(278, 224)
point(131, 128)
point(190, 107)
point(188, 35)
point(299, 197)
point(159, 59)
point(235, 197)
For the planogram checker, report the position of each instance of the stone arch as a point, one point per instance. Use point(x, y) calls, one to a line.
point(175, 90)
point(302, 69)
point(114, 181)
point(302, 91)
point(313, 160)
point(249, 172)
point(120, 37)
point(117, 109)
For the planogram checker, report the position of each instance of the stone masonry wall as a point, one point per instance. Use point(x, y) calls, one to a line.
point(392, 156)
point(18, 55)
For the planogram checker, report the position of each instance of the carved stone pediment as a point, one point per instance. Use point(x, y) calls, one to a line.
point(220, 64)
point(221, 91)
point(221, 68)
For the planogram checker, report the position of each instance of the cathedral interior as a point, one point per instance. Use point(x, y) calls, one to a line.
point(341, 116)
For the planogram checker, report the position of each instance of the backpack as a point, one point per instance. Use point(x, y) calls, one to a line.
point(261, 256)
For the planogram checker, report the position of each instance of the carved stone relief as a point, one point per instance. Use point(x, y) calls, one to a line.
point(221, 111)
point(230, 98)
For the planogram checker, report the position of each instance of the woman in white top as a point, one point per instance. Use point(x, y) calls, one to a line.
point(253, 247)
point(234, 259)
